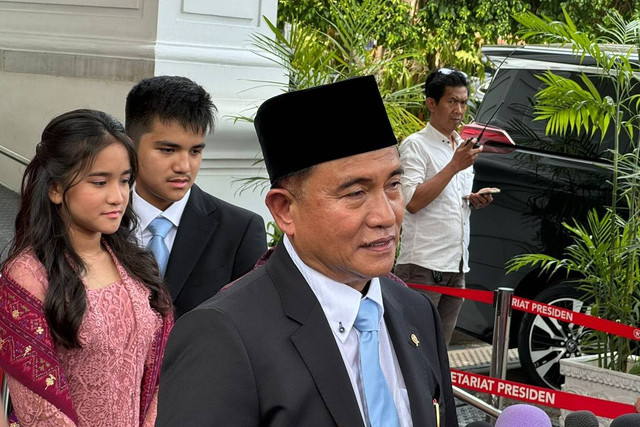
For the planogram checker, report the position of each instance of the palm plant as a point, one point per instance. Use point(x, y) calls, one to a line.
point(309, 58)
point(605, 250)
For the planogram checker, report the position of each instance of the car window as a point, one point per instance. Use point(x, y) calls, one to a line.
point(518, 88)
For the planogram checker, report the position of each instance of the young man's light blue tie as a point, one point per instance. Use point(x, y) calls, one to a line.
point(380, 407)
point(159, 227)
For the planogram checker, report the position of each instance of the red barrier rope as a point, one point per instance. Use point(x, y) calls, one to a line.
point(536, 307)
point(539, 395)
point(534, 394)
point(472, 294)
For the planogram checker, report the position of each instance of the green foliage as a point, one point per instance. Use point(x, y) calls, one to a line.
point(588, 13)
point(346, 48)
point(452, 33)
point(567, 107)
point(273, 233)
point(394, 18)
point(605, 251)
point(401, 41)
point(609, 277)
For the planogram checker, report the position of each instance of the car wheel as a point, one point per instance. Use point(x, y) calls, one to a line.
point(544, 341)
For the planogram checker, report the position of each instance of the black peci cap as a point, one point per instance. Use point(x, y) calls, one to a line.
point(303, 128)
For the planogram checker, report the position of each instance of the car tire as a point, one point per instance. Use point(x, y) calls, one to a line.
point(543, 341)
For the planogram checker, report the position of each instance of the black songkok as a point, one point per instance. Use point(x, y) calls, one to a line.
point(303, 128)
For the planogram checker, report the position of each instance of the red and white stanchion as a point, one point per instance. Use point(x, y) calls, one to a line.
point(542, 309)
point(501, 328)
point(496, 385)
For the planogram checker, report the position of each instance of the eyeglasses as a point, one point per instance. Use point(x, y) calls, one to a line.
point(447, 71)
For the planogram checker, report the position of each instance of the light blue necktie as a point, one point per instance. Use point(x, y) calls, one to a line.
point(159, 227)
point(380, 406)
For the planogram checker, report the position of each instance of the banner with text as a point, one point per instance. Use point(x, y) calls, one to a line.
point(539, 395)
point(535, 307)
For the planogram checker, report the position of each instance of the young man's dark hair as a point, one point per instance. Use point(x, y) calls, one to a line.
point(437, 82)
point(168, 98)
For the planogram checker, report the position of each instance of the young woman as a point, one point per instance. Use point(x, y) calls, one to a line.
point(84, 316)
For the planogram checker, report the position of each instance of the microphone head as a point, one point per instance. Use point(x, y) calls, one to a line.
point(521, 415)
point(478, 424)
point(626, 420)
point(581, 419)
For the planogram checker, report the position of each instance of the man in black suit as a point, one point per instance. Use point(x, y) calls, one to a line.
point(211, 242)
point(283, 346)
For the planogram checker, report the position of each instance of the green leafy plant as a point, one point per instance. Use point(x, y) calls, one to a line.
point(347, 47)
point(274, 233)
point(311, 57)
point(605, 280)
point(604, 252)
point(399, 41)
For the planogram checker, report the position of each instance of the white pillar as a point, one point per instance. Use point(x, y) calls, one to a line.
point(57, 55)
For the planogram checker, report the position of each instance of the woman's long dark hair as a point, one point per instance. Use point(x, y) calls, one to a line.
point(67, 150)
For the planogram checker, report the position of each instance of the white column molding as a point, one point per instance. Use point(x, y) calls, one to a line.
point(57, 55)
point(114, 28)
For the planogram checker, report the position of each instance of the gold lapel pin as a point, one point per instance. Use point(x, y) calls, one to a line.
point(414, 340)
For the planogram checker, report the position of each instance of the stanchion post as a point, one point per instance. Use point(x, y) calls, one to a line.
point(476, 402)
point(500, 348)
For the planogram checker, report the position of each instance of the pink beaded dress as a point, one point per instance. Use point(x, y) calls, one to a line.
point(105, 378)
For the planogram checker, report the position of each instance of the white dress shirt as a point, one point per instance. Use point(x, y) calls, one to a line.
point(340, 304)
point(147, 212)
point(437, 236)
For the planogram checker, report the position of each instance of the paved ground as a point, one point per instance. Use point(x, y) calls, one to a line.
point(465, 353)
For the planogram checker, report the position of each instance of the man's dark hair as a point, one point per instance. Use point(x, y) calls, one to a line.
point(437, 82)
point(168, 99)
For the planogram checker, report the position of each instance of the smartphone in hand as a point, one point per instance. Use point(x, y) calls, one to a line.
point(490, 190)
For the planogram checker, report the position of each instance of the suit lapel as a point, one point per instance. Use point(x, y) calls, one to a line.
point(194, 232)
point(416, 369)
point(314, 340)
point(325, 363)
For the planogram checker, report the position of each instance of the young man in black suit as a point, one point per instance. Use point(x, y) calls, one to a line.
point(286, 344)
point(211, 242)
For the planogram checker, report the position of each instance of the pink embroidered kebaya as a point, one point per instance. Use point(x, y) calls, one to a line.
point(108, 380)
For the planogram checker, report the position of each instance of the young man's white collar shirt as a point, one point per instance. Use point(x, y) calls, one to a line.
point(147, 212)
point(340, 304)
point(437, 236)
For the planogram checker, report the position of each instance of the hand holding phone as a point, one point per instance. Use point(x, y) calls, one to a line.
point(489, 190)
point(475, 144)
point(482, 192)
point(482, 198)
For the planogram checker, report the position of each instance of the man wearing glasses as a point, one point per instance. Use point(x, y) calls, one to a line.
point(437, 187)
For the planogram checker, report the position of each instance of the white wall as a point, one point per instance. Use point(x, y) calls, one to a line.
point(209, 41)
point(30, 101)
point(113, 28)
point(57, 55)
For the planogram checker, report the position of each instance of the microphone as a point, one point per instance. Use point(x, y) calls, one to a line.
point(521, 415)
point(479, 424)
point(581, 419)
point(626, 420)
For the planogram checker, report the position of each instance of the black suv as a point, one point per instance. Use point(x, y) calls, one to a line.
point(545, 181)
